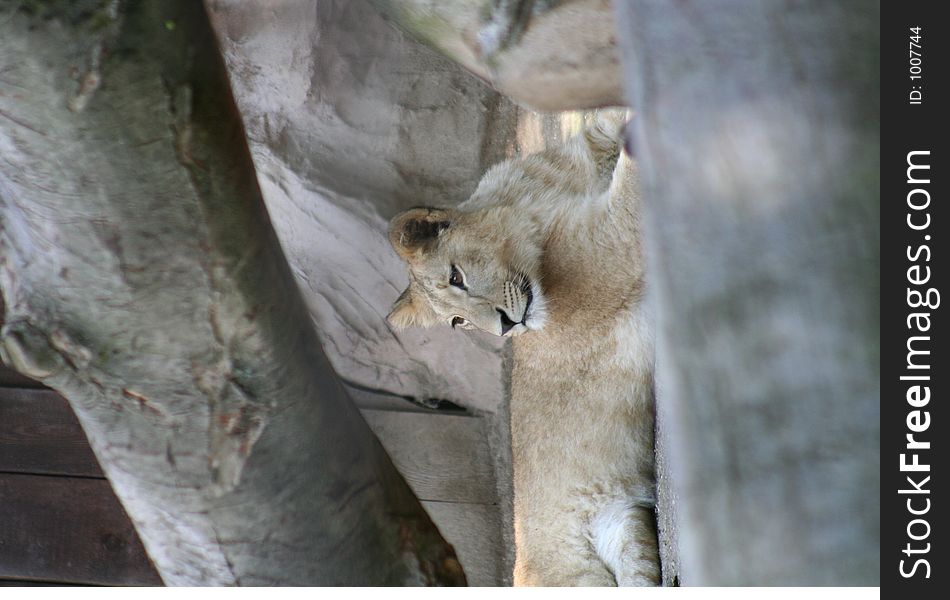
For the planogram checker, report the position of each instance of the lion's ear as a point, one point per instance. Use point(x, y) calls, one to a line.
point(410, 310)
point(416, 230)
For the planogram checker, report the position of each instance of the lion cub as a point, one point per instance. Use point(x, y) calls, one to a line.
point(547, 252)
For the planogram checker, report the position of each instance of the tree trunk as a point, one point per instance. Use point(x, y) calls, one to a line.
point(546, 54)
point(142, 279)
point(757, 133)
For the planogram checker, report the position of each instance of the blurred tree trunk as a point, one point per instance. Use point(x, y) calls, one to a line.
point(757, 132)
point(141, 278)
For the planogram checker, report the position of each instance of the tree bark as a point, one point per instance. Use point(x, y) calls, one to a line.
point(141, 278)
point(546, 54)
point(757, 134)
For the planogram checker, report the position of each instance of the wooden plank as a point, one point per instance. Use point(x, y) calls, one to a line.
point(33, 583)
point(68, 529)
point(475, 532)
point(443, 457)
point(10, 378)
point(40, 434)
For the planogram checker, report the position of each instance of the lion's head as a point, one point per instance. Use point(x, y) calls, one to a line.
point(477, 270)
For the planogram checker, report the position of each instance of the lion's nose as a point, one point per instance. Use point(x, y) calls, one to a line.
point(506, 323)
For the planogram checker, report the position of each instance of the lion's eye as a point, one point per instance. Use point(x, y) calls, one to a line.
point(457, 322)
point(456, 278)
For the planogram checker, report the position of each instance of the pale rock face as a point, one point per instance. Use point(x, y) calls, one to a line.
point(350, 122)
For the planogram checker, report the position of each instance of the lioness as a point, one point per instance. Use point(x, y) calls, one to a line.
point(547, 252)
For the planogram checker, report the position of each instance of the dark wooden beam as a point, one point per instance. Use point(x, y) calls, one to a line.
point(40, 435)
point(70, 530)
point(10, 378)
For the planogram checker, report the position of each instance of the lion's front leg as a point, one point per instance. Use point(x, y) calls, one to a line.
point(639, 557)
point(556, 557)
point(623, 535)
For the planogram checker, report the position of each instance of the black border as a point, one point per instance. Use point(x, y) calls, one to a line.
point(907, 127)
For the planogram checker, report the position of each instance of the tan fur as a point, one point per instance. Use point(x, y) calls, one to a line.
point(564, 224)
